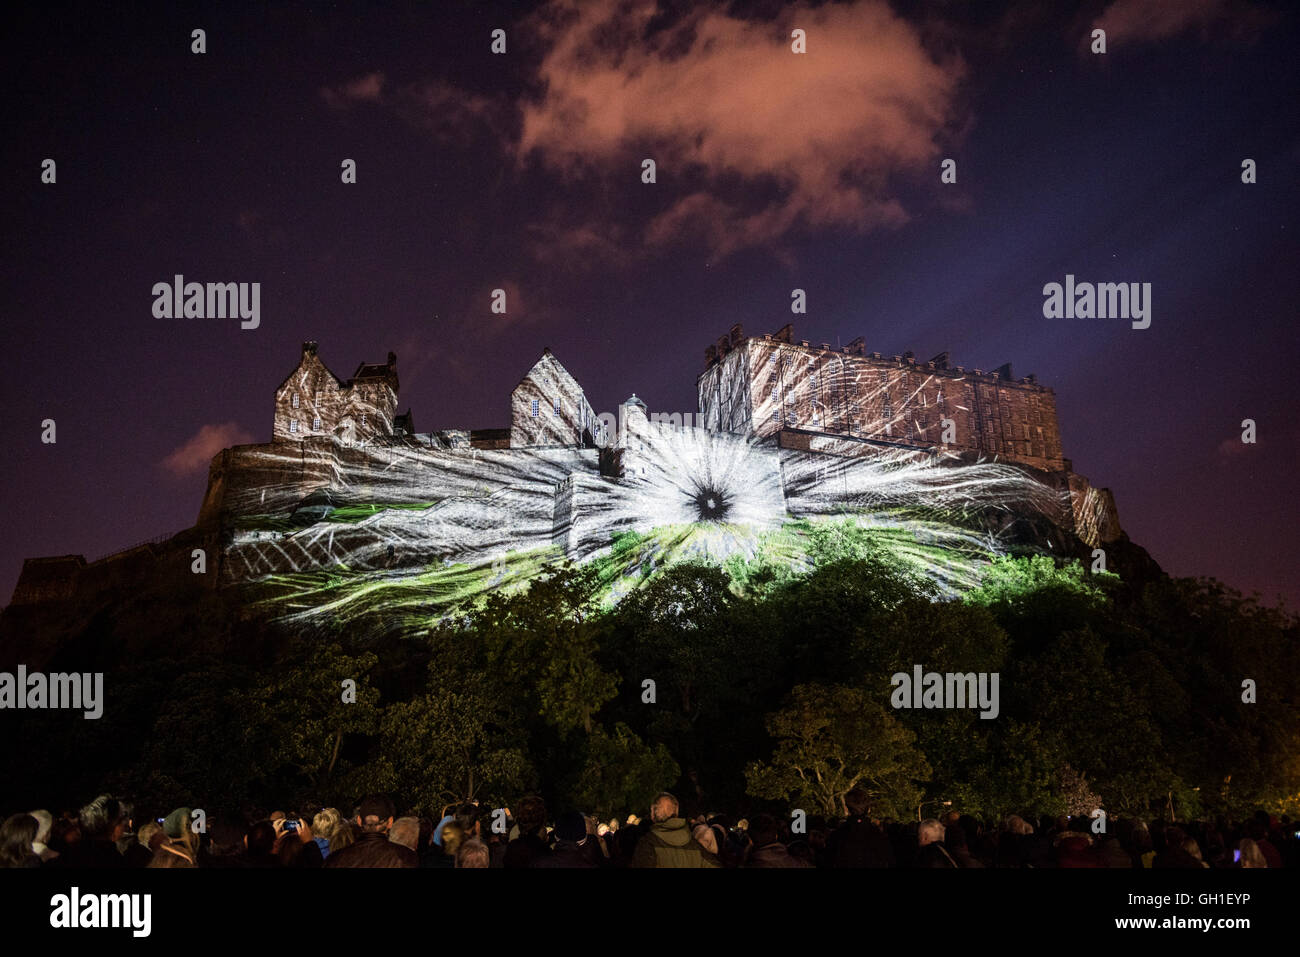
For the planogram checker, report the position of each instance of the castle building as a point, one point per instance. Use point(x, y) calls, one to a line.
point(784, 430)
point(313, 401)
point(775, 386)
point(548, 407)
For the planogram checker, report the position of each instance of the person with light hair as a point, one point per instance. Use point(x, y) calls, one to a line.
point(406, 831)
point(40, 846)
point(930, 851)
point(149, 836)
point(473, 853)
point(1251, 855)
point(453, 836)
point(324, 826)
point(1015, 824)
point(669, 842)
point(16, 837)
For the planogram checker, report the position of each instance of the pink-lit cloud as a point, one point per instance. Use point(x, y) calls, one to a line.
point(722, 103)
point(1133, 21)
point(363, 89)
point(194, 455)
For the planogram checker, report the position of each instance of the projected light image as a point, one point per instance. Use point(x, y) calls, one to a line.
point(352, 519)
point(684, 494)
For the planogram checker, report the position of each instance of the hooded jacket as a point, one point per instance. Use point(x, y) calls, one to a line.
point(670, 844)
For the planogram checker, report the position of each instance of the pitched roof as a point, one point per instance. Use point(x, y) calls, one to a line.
point(301, 361)
point(373, 370)
point(551, 365)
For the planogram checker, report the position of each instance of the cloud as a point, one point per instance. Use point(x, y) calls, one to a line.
point(193, 456)
point(364, 89)
point(753, 143)
point(1231, 448)
point(448, 112)
point(1151, 20)
point(764, 141)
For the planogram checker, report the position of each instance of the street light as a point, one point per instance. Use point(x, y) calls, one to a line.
point(925, 803)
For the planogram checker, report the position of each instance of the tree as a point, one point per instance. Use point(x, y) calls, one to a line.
point(621, 772)
point(1093, 720)
point(454, 744)
point(1035, 599)
point(541, 646)
point(298, 715)
point(831, 739)
point(677, 630)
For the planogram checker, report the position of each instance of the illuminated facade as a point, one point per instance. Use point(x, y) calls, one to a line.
point(313, 401)
point(768, 385)
point(349, 512)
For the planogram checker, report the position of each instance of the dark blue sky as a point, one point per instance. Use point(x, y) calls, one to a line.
point(473, 174)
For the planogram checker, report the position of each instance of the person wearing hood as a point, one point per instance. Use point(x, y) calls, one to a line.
point(669, 842)
point(182, 845)
point(573, 845)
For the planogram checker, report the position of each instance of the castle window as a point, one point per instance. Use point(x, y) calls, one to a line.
point(557, 406)
point(293, 425)
point(776, 416)
point(315, 424)
point(295, 400)
point(536, 407)
point(364, 425)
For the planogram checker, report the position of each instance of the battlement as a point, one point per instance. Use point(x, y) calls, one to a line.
point(735, 337)
point(167, 557)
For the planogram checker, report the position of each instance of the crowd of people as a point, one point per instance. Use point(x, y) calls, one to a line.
point(106, 833)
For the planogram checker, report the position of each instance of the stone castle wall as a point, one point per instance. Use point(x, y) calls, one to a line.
point(761, 386)
point(69, 577)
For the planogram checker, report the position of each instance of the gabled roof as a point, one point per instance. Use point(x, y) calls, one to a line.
point(301, 361)
point(550, 365)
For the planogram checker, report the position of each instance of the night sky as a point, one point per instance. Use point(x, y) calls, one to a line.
point(775, 171)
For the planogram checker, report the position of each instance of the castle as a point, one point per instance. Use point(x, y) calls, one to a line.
point(784, 430)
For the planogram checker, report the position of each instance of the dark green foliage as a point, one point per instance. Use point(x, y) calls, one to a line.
point(767, 687)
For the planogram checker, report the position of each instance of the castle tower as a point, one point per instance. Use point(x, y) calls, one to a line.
point(313, 401)
point(633, 424)
point(548, 407)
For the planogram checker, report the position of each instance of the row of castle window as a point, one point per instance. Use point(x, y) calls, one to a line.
point(294, 424)
point(537, 403)
point(366, 395)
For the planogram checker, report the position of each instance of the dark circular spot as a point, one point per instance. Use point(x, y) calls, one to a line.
point(711, 505)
